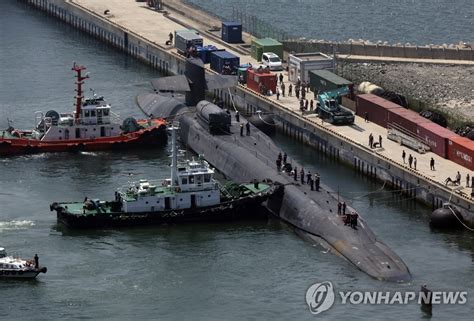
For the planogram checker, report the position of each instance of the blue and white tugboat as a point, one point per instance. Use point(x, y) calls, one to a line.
point(190, 194)
point(16, 268)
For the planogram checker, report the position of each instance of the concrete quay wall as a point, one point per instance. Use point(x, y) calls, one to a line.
point(290, 123)
point(399, 51)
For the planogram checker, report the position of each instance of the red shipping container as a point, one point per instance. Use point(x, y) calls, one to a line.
point(435, 136)
point(266, 78)
point(461, 151)
point(405, 119)
point(376, 108)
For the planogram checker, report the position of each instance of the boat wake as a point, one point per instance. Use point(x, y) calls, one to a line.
point(15, 225)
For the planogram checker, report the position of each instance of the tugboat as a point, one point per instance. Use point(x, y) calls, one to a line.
point(191, 194)
point(16, 268)
point(91, 127)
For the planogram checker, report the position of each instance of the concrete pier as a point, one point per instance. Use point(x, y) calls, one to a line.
point(142, 33)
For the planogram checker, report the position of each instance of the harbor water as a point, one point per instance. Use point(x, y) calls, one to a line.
point(395, 21)
point(249, 270)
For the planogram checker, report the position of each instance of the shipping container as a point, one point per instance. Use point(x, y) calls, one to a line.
point(405, 120)
point(259, 46)
point(231, 32)
point(261, 78)
point(299, 65)
point(205, 53)
point(185, 39)
point(461, 151)
point(435, 136)
point(325, 80)
point(375, 107)
point(224, 62)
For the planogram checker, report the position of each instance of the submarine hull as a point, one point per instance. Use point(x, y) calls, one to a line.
point(243, 158)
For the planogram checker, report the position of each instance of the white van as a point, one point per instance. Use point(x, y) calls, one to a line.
point(272, 61)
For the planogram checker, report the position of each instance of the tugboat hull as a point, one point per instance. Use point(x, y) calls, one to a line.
point(152, 136)
point(28, 274)
point(247, 207)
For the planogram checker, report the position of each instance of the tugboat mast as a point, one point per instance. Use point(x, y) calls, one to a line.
point(174, 156)
point(80, 81)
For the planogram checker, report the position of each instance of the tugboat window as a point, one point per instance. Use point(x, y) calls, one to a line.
point(184, 181)
point(207, 178)
point(106, 112)
point(86, 113)
point(191, 179)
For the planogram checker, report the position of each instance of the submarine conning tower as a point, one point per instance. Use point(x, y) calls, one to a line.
point(197, 81)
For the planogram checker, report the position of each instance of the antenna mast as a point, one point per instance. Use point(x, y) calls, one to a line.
point(79, 82)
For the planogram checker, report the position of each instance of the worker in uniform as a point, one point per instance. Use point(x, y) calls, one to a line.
point(285, 156)
point(290, 90)
point(339, 208)
point(295, 173)
point(247, 125)
point(308, 177)
point(302, 175)
point(241, 129)
point(237, 116)
point(343, 208)
point(278, 164)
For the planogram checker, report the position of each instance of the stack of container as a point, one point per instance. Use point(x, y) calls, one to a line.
point(461, 151)
point(324, 80)
point(435, 136)
point(205, 53)
point(377, 108)
point(184, 39)
point(299, 65)
point(259, 46)
point(220, 59)
point(231, 32)
point(257, 78)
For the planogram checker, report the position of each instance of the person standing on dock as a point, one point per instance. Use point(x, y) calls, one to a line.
point(414, 163)
point(410, 160)
point(295, 173)
point(432, 164)
point(312, 184)
point(237, 116)
point(297, 92)
point(281, 78)
point(467, 180)
point(278, 93)
point(339, 208)
point(306, 103)
point(371, 140)
point(308, 177)
point(302, 175)
point(285, 157)
point(241, 129)
point(366, 117)
point(403, 156)
point(458, 178)
point(317, 181)
point(311, 105)
point(303, 92)
point(247, 126)
point(171, 38)
point(380, 141)
point(283, 89)
point(344, 208)
point(290, 90)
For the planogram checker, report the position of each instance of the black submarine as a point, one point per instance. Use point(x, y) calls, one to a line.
point(207, 129)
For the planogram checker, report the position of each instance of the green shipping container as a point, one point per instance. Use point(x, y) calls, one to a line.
point(259, 46)
point(242, 71)
point(324, 80)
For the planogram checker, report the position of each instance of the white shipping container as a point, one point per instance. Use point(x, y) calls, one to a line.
point(299, 65)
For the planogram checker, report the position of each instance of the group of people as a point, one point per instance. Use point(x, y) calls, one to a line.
point(314, 181)
point(373, 144)
point(412, 161)
point(349, 218)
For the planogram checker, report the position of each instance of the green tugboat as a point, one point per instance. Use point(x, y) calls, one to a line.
point(191, 194)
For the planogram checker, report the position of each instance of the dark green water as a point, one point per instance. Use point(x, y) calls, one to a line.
point(248, 270)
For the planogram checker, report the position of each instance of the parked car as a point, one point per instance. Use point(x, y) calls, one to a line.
point(272, 61)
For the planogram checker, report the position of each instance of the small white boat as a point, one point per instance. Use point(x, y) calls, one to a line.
point(17, 268)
